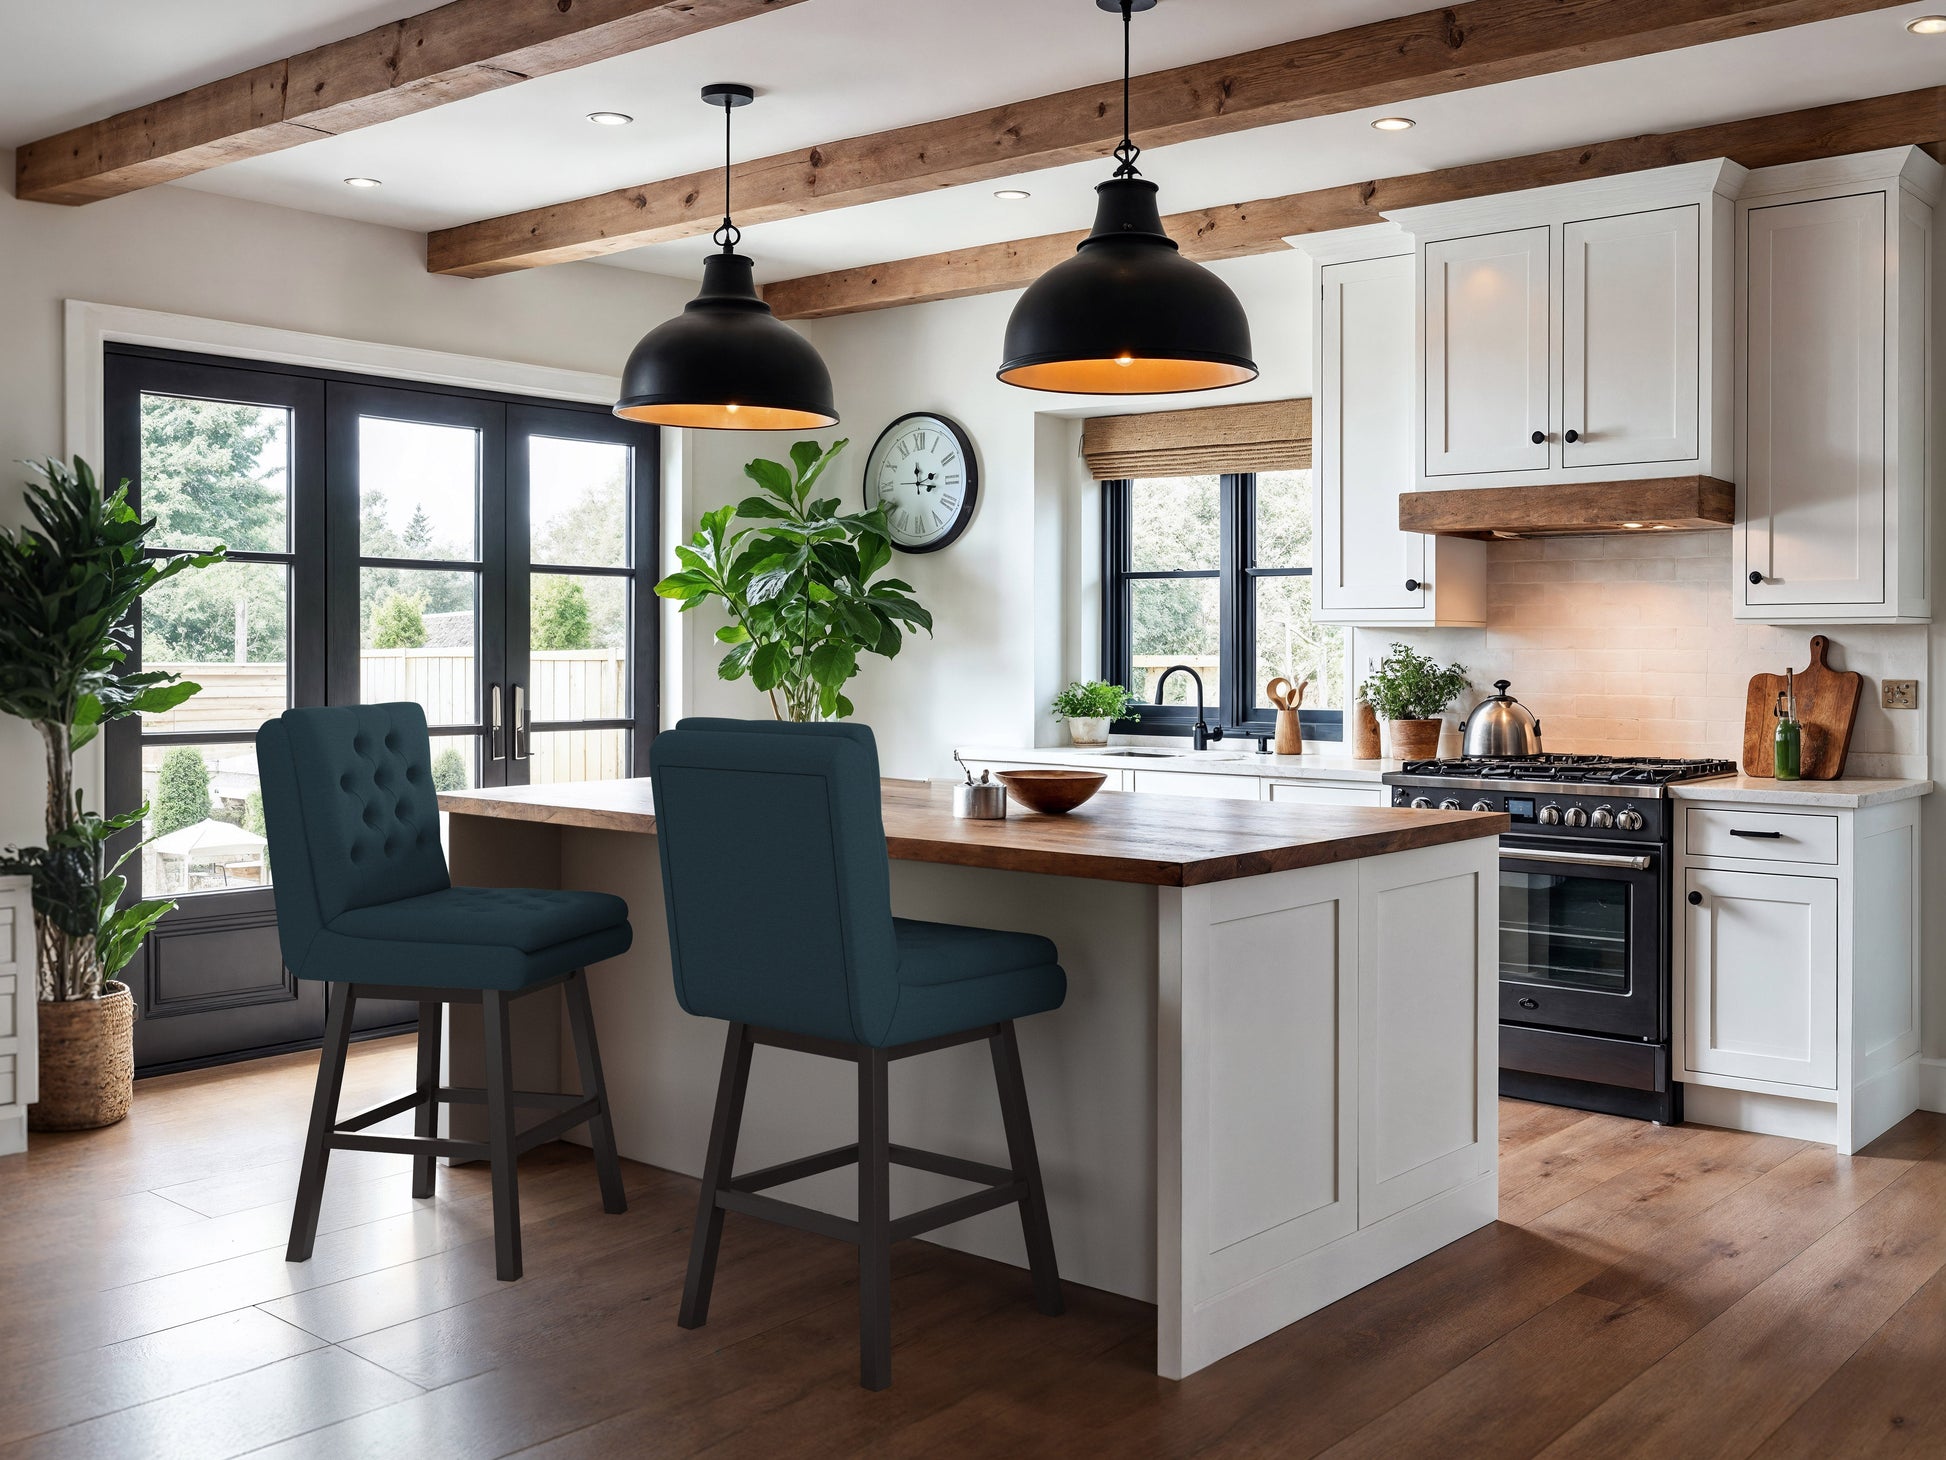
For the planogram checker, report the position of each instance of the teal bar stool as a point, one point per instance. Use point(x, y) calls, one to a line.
point(778, 895)
point(364, 902)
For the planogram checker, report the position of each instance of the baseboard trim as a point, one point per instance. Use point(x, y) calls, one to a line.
point(1932, 1085)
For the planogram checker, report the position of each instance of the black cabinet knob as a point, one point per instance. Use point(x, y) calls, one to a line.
point(1412, 585)
point(1538, 437)
point(1530, 1003)
point(1755, 576)
point(1695, 899)
point(1570, 436)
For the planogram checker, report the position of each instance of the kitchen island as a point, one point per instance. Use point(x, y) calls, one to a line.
point(1272, 1083)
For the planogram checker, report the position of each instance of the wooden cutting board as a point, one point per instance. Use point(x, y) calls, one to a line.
point(1827, 708)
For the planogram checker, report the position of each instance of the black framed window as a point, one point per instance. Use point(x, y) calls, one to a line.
point(1215, 572)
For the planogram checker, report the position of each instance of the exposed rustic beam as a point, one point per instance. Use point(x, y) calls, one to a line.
point(1241, 229)
point(411, 65)
point(1449, 49)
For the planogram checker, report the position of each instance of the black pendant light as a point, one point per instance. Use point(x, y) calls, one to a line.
point(1128, 314)
point(726, 363)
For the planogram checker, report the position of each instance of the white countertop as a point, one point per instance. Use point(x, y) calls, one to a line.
point(1848, 793)
point(1222, 761)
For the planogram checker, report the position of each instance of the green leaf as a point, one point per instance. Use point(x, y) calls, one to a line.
point(874, 552)
point(805, 455)
point(831, 664)
point(736, 663)
point(761, 507)
point(772, 477)
point(769, 664)
point(733, 634)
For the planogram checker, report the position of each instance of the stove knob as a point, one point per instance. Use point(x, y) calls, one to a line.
point(1483, 806)
point(1422, 803)
point(1550, 816)
point(1602, 819)
point(1629, 819)
point(1576, 816)
point(1451, 803)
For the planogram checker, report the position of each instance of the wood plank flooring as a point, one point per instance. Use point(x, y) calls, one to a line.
point(1648, 1291)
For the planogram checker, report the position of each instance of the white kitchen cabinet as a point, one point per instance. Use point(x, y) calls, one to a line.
point(1598, 308)
point(19, 1048)
point(1797, 967)
point(1197, 783)
point(1833, 306)
point(1329, 793)
point(1366, 571)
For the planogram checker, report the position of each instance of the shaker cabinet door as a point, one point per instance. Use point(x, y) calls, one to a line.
point(1760, 996)
point(1630, 337)
point(1486, 380)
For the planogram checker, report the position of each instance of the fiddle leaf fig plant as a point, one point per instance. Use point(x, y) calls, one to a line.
point(1408, 685)
point(801, 585)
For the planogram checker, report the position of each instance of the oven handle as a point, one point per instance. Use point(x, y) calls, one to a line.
point(1581, 859)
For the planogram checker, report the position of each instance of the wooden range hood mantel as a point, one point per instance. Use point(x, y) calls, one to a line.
point(1682, 504)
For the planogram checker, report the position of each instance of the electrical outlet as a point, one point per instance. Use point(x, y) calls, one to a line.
point(1899, 694)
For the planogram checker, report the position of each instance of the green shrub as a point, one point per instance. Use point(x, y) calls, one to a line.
point(181, 791)
point(1095, 700)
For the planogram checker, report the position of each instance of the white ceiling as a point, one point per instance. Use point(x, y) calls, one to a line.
point(827, 69)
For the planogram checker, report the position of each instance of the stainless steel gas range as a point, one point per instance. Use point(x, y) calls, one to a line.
point(1584, 919)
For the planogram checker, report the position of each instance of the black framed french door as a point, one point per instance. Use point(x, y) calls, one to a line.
point(488, 557)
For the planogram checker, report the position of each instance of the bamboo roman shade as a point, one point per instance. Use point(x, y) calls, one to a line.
point(1263, 436)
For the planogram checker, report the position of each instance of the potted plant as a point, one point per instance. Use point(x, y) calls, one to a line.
point(66, 587)
point(1091, 707)
point(799, 587)
point(1412, 691)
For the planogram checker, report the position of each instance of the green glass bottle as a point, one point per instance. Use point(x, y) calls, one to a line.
point(1787, 756)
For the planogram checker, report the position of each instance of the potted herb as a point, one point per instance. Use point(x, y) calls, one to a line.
point(801, 586)
point(1412, 691)
point(66, 587)
point(1091, 707)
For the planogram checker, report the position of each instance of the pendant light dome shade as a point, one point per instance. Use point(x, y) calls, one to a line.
point(726, 363)
point(1128, 314)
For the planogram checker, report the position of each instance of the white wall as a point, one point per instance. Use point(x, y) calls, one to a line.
point(199, 254)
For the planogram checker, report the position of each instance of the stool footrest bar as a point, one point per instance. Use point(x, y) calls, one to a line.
point(958, 1209)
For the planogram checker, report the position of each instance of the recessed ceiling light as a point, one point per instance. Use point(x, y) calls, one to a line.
point(1013, 195)
point(361, 182)
point(1394, 124)
point(610, 119)
point(1927, 25)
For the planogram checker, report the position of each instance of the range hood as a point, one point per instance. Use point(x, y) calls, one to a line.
point(1665, 504)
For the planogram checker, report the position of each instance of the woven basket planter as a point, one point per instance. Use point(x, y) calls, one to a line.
point(87, 1061)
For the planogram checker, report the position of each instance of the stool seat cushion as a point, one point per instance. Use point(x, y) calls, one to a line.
point(471, 937)
point(955, 978)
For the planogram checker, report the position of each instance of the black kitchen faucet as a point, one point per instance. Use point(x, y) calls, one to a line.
point(1202, 735)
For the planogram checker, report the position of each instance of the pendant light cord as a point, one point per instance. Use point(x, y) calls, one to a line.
point(1126, 151)
point(729, 235)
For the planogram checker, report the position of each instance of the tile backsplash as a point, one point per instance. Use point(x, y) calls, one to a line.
point(1625, 644)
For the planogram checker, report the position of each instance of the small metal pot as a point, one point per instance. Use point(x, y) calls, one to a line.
point(1502, 728)
point(980, 800)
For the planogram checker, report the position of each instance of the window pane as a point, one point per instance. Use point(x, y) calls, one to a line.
point(577, 755)
point(1283, 519)
point(418, 490)
point(420, 641)
point(1175, 522)
point(578, 502)
point(205, 820)
point(215, 472)
point(455, 762)
point(226, 628)
point(1290, 645)
point(580, 642)
point(1175, 621)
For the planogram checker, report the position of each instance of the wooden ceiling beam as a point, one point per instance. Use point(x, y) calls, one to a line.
point(459, 50)
point(1448, 49)
point(1242, 229)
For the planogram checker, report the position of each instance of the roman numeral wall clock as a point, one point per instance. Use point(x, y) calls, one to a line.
point(922, 470)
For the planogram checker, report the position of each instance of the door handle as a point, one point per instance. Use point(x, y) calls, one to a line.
point(520, 722)
point(1578, 859)
point(1758, 836)
point(496, 724)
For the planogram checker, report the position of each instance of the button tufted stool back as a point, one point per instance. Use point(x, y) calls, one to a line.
point(351, 810)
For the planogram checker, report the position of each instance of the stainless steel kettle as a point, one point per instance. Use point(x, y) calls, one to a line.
point(1502, 727)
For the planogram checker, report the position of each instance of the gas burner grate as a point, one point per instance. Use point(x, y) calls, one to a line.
point(1589, 770)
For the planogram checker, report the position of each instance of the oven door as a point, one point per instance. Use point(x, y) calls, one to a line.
point(1581, 941)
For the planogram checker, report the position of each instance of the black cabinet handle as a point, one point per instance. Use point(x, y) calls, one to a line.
point(1755, 576)
point(1571, 436)
point(1412, 585)
point(1758, 836)
point(1538, 437)
point(1695, 899)
point(1530, 1003)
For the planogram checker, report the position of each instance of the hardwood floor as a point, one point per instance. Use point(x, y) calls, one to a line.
point(1648, 1291)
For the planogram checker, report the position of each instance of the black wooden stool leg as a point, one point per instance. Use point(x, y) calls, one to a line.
point(874, 1221)
point(1026, 1163)
point(718, 1166)
point(601, 1129)
point(324, 1115)
point(425, 1120)
point(500, 1133)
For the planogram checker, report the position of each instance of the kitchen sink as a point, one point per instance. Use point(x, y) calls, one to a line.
point(1146, 754)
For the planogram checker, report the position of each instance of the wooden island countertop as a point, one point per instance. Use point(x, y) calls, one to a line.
point(1163, 841)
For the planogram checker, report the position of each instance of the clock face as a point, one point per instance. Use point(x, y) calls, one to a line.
point(923, 473)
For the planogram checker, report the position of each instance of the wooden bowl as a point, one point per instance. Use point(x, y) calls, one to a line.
point(1051, 792)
